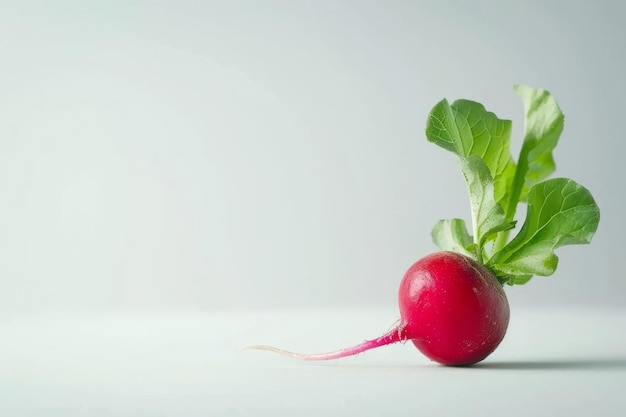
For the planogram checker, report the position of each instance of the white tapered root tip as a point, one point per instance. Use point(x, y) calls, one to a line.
point(276, 350)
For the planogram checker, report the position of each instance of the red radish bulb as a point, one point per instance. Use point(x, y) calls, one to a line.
point(452, 308)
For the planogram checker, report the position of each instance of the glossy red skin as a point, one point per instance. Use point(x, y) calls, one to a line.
point(453, 309)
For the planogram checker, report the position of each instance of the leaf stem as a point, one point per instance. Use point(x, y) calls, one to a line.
point(516, 191)
point(479, 254)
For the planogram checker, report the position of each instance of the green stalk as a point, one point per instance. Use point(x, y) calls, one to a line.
point(518, 184)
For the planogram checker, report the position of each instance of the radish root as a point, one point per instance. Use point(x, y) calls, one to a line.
point(394, 335)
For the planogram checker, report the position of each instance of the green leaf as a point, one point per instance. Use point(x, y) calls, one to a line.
point(443, 128)
point(466, 128)
point(509, 279)
point(487, 215)
point(452, 235)
point(560, 212)
point(543, 124)
point(490, 139)
point(518, 279)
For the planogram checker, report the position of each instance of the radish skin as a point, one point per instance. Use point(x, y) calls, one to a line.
point(454, 309)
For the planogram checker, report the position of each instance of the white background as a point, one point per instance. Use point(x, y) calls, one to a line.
point(260, 154)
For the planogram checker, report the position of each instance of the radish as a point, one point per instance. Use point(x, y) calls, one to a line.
point(452, 303)
point(452, 308)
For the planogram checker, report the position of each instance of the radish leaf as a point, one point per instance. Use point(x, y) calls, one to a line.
point(490, 139)
point(452, 235)
point(446, 128)
point(560, 212)
point(487, 215)
point(466, 128)
point(543, 124)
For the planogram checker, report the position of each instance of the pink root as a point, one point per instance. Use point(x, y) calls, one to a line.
point(395, 335)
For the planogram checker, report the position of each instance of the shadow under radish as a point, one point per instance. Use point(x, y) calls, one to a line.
point(608, 364)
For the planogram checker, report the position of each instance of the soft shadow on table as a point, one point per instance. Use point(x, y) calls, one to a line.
point(558, 364)
point(600, 364)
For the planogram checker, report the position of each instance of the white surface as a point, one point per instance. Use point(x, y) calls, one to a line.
point(565, 362)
